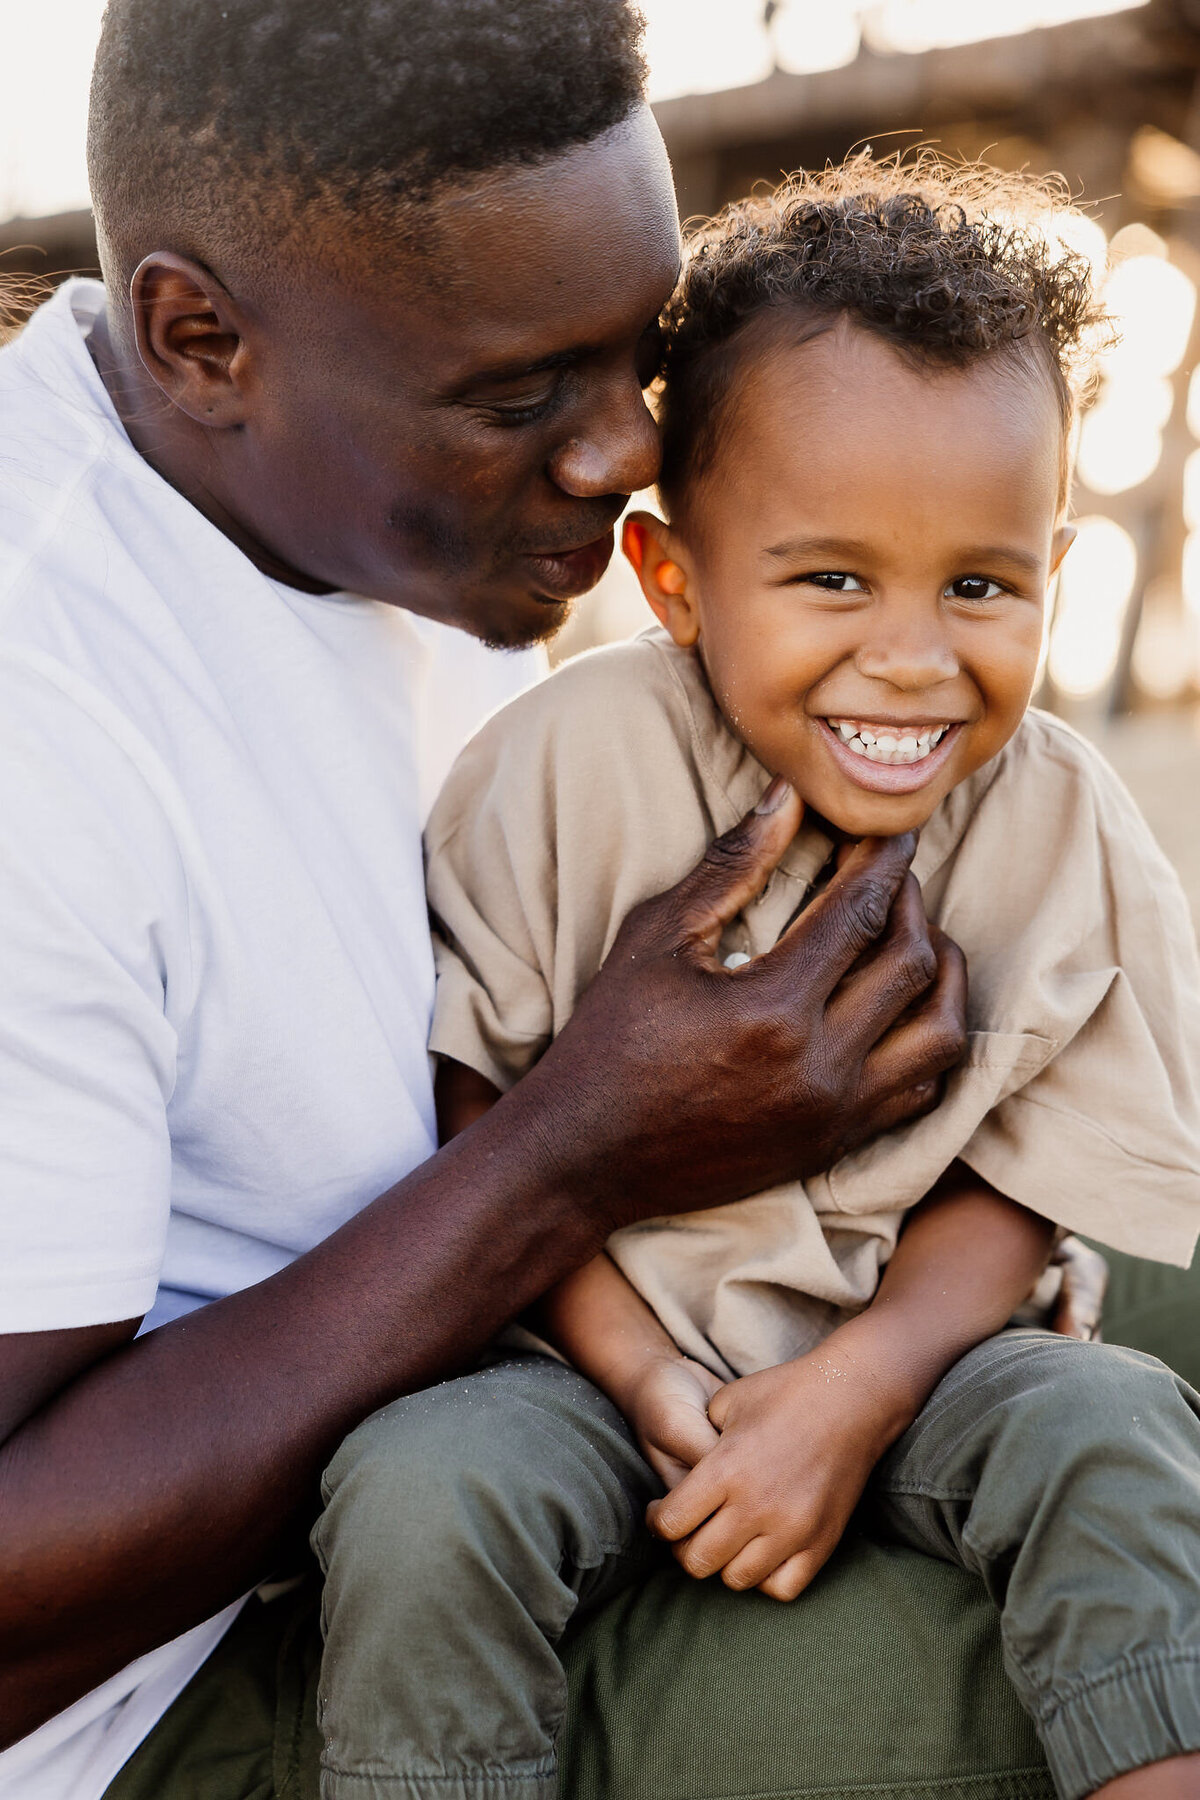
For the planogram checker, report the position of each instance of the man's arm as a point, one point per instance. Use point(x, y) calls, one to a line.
point(144, 1485)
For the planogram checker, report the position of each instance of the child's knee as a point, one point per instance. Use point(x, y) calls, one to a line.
point(410, 1477)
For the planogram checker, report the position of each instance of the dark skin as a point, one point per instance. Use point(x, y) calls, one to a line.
point(144, 1485)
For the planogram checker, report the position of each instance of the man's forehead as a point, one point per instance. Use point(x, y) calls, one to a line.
point(529, 262)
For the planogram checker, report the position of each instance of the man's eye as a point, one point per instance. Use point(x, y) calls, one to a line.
point(835, 581)
point(520, 412)
point(974, 587)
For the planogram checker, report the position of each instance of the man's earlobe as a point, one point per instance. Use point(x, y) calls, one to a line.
point(661, 568)
point(189, 338)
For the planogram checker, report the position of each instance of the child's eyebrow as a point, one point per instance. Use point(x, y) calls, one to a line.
point(796, 549)
point(839, 550)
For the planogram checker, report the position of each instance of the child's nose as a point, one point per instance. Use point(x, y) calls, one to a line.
point(911, 661)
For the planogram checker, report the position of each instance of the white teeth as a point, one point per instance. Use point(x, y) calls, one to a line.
point(887, 748)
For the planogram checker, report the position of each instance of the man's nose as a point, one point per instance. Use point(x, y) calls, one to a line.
point(910, 659)
point(617, 451)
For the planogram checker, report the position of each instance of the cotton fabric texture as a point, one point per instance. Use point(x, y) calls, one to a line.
point(216, 980)
point(1080, 1092)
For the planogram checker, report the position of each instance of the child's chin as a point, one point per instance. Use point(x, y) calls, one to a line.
point(880, 815)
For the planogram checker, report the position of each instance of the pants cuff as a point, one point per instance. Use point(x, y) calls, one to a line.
point(489, 1784)
point(1141, 1711)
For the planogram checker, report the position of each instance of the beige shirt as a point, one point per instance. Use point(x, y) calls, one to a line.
point(1080, 1091)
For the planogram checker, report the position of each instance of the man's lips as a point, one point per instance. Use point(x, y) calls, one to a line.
point(566, 573)
point(890, 778)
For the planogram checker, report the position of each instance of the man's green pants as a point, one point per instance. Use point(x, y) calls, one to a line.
point(890, 1676)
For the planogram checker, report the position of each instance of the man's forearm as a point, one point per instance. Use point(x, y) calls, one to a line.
point(179, 1471)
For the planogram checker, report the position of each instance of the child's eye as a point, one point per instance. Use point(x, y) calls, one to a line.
point(834, 581)
point(974, 587)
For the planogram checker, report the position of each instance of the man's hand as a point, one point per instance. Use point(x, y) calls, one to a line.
point(768, 1505)
point(681, 1084)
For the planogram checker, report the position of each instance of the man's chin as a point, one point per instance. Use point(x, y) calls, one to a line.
point(523, 632)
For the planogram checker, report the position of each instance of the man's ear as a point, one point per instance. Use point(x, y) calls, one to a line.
point(1061, 542)
point(664, 570)
point(189, 337)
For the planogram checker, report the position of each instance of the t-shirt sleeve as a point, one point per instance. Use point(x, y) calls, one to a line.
point(1105, 1137)
point(492, 1008)
point(546, 834)
point(93, 913)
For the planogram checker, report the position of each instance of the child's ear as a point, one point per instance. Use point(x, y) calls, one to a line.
point(661, 565)
point(1063, 538)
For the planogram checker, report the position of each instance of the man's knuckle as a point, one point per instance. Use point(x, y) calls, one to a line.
point(870, 906)
point(727, 854)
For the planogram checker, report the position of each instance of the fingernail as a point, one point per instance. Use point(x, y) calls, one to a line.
point(775, 795)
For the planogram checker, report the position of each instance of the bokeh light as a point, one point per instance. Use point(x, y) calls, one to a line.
point(1120, 440)
point(810, 37)
point(1095, 585)
point(1164, 652)
point(1154, 304)
point(703, 46)
point(916, 25)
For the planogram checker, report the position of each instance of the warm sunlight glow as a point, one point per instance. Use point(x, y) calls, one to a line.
point(1094, 589)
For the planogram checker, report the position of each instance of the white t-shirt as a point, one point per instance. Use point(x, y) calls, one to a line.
point(216, 978)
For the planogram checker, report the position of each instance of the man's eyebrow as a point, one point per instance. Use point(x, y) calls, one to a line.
point(512, 371)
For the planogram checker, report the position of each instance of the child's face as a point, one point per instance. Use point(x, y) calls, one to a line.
point(863, 566)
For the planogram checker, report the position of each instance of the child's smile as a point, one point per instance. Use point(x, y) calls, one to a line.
point(862, 563)
point(891, 756)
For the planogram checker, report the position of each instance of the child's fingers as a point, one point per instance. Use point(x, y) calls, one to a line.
point(669, 1469)
point(686, 1507)
point(718, 1406)
point(718, 1541)
point(752, 1564)
point(687, 1434)
point(793, 1576)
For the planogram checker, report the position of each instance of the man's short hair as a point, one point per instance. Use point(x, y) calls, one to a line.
point(205, 107)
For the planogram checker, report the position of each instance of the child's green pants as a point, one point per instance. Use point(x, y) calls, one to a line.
point(465, 1525)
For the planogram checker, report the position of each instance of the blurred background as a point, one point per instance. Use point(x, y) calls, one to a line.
point(1105, 93)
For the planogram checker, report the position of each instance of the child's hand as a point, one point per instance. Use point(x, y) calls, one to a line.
point(668, 1410)
point(769, 1502)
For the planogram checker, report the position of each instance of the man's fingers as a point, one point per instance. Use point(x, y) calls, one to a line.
point(909, 1059)
point(731, 872)
point(890, 975)
point(854, 910)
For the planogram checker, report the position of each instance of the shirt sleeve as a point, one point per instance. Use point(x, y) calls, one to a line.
point(1105, 1138)
point(568, 807)
point(93, 922)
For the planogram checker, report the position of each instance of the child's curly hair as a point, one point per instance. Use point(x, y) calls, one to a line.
point(948, 262)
